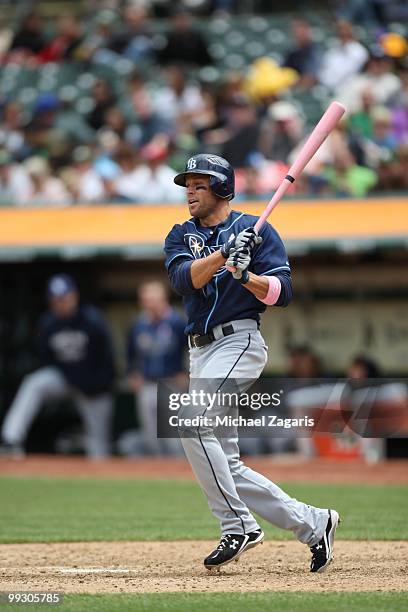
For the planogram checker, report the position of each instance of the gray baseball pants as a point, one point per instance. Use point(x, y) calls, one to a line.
point(233, 490)
point(47, 384)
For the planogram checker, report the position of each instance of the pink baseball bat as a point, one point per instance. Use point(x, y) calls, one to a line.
point(326, 124)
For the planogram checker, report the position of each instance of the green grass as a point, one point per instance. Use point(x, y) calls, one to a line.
point(231, 602)
point(57, 510)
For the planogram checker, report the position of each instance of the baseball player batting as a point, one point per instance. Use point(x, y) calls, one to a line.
point(228, 274)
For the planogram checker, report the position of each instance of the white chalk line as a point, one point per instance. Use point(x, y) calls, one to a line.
point(70, 570)
point(94, 570)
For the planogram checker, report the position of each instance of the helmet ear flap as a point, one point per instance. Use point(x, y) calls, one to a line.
point(219, 188)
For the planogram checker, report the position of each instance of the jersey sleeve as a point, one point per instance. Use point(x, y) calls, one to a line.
point(270, 256)
point(174, 247)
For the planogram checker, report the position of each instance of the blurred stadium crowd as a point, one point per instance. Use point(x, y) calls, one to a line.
point(106, 105)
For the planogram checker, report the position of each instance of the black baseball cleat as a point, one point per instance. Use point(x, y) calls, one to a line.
point(230, 548)
point(322, 552)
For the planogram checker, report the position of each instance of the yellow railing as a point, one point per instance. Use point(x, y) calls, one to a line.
point(118, 225)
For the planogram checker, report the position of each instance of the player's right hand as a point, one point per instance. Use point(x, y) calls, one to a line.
point(239, 260)
point(247, 239)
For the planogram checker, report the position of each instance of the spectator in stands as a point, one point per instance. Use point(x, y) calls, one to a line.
point(361, 122)
point(77, 362)
point(115, 120)
point(368, 13)
point(155, 176)
point(12, 135)
point(242, 132)
point(344, 58)
point(207, 120)
point(373, 140)
point(155, 350)
point(138, 106)
point(43, 118)
point(29, 38)
point(6, 37)
point(47, 190)
point(103, 99)
point(66, 43)
point(346, 178)
point(133, 39)
point(15, 184)
point(383, 137)
point(399, 107)
point(184, 44)
point(401, 167)
point(94, 47)
point(392, 175)
point(87, 185)
point(148, 180)
point(378, 75)
point(72, 125)
point(178, 102)
point(305, 55)
point(125, 186)
point(231, 86)
point(281, 131)
point(107, 168)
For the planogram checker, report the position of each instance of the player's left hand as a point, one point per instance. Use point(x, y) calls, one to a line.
point(248, 239)
point(239, 259)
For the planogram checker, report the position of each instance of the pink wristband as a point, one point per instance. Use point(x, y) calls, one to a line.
point(273, 291)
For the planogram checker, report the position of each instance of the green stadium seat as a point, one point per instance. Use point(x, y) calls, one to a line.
point(27, 96)
point(86, 81)
point(217, 51)
point(218, 27)
point(235, 61)
point(84, 105)
point(235, 39)
point(258, 24)
point(255, 49)
point(68, 93)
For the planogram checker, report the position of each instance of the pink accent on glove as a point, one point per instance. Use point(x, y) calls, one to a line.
point(273, 292)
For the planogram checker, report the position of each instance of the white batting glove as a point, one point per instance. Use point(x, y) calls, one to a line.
point(248, 239)
point(240, 260)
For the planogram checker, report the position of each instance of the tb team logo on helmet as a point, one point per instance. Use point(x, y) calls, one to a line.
point(220, 171)
point(191, 164)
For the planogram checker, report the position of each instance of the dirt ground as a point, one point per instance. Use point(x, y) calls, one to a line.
point(280, 469)
point(154, 567)
point(96, 567)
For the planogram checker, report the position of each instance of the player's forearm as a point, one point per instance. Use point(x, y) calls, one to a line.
point(271, 290)
point(258, 285)
point(202, 270)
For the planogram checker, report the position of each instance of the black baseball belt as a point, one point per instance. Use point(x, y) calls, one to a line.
point(200, 340)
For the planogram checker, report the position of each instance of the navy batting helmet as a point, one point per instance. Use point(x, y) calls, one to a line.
point(221, 173)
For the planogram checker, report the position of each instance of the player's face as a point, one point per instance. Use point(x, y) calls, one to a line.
point(66, 305)
point(153, 299)
point(201, 201)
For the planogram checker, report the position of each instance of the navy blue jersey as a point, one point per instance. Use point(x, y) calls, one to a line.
point(223, 299)
point(156, 348)
point(80, 347)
